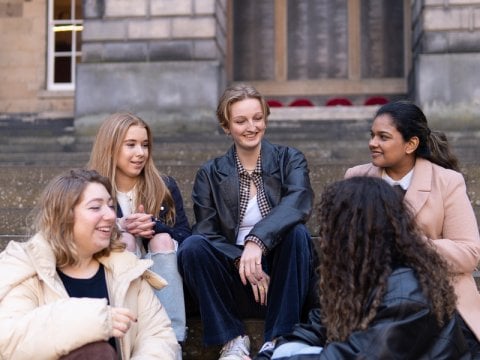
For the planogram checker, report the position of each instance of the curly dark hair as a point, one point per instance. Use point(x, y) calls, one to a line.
point(365, 231)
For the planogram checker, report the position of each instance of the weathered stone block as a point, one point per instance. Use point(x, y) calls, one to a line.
point(169, 8)
point(205, 49)
point(11, 9)
point(93, 9)
point(458, 85)
point(149, 29)
point(193, 28)
point(204, 6)
point(127, 8)
point(451, 18)
point(96, 30)
point(169, 93)
point(450, 42)
point(92, 52)
point(171, 50)
point(125, 51)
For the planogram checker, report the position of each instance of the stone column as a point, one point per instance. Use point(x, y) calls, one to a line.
point(446, 59)
point(161, 59)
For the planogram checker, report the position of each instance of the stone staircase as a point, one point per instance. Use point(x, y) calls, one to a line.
point(32, 151)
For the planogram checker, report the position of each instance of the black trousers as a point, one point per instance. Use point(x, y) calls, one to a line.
point(213, 280)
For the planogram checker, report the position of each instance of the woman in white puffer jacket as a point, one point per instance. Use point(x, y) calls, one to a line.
point(72, 284)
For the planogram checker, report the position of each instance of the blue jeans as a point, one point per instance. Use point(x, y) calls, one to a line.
point(214, 282)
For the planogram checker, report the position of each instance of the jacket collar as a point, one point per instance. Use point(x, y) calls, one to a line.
point(420, 187)
point(228, 167)
point(23, 260)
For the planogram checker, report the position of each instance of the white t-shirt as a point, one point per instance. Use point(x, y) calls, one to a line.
point(251, 217)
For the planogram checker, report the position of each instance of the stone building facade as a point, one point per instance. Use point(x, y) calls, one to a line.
point(169, 60)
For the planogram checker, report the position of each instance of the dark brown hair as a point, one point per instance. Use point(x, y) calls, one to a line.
point(365, 230)
point(410, 121)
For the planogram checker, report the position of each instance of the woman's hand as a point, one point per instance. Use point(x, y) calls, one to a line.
point(251, 271)
point(140, 224)
point(122, 319)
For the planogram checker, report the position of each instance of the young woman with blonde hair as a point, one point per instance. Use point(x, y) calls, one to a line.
point(72, 292)
point(251, 254)
point(149, 205)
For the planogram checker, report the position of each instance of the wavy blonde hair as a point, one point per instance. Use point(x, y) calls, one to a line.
point(151, 188)
point(55, 214)
point(236, 93)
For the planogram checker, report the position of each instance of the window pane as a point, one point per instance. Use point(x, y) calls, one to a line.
point(382, 38)
point(78, 10)
point(62, 10)
point(63, 38)
point(317, 39)
point(63, 72)
point(78, 40)
point(254, 39)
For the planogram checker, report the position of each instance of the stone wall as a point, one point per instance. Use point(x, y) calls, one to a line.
point(23, 60)
point(161, 61)
point(446, 50)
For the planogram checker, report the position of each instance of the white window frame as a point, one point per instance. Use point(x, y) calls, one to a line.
point(51, 54)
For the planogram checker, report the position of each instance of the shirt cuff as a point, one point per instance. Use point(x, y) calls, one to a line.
point(257, 241)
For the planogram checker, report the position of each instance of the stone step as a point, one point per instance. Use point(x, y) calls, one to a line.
point(20, 187)
point(322, 142)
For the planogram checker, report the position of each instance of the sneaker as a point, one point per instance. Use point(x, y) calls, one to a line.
point(267, 347)
point(236, 348)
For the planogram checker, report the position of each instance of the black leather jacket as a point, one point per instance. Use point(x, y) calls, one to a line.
point(216, 197)
point(404, 328)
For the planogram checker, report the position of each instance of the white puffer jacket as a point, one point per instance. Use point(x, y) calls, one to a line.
point(38, 320)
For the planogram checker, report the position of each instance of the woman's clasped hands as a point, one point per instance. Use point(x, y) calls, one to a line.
point(139, 223)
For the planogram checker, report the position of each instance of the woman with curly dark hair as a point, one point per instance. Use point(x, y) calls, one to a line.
point(384, 291)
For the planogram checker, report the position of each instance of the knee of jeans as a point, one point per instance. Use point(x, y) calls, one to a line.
point(298, 236)
point(191, 246)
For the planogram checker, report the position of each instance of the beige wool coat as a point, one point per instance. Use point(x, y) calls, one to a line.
point(441, 206)
point(38, 320)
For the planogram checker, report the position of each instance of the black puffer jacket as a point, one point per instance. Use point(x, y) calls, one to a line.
point(404, 328)
point(216, 205)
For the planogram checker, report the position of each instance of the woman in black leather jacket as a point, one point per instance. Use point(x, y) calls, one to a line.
point(250, 254)
point(384, 292)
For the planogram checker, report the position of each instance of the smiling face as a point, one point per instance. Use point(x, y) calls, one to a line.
point(132, 155)
point(247, 124)
point(94, 220)
point(388, 148)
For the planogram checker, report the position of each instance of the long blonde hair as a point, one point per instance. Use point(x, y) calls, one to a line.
point(150, 187)
point(55, 215)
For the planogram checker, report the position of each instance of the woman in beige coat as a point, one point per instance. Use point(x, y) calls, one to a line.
point(72, 285)
point(418, 162)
